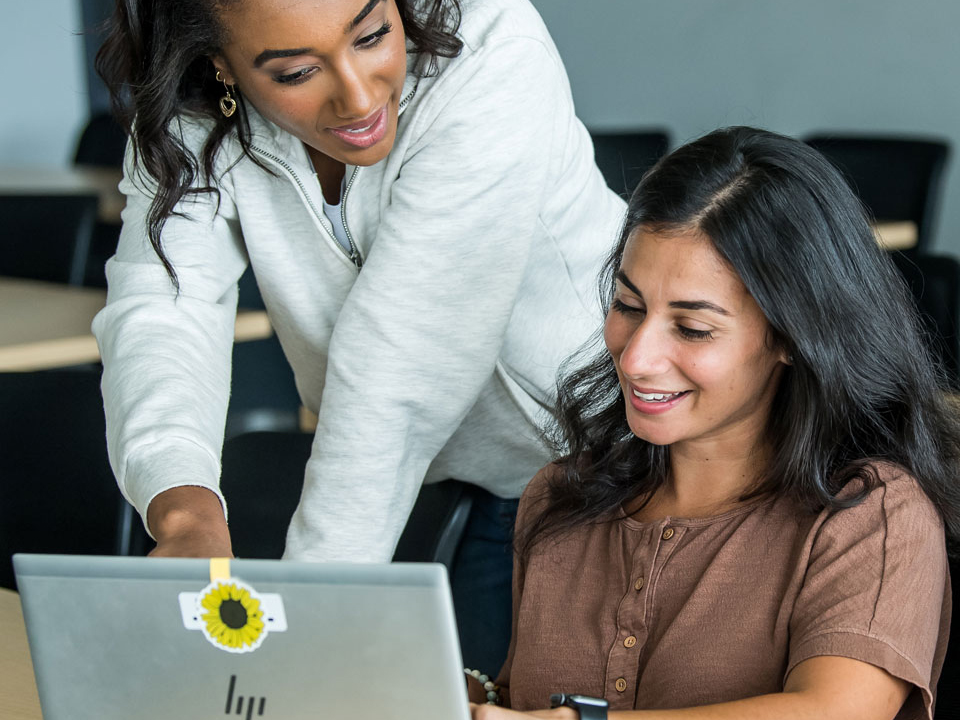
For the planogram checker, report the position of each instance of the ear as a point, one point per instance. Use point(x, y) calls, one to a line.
point(220, 65)
point(785, 357)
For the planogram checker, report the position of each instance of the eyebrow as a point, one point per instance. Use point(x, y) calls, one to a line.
point(678, 304)
point(273, 54)
point(367, 9)
point(268, 55)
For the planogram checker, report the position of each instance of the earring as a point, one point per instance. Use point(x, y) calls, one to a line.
point(228, 106)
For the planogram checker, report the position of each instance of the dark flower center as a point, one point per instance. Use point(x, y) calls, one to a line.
point(233, 614)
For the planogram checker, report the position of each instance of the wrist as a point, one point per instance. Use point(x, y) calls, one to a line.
point(183, 510)
point(583, 707)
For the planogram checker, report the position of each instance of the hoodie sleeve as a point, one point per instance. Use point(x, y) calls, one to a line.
point(166, 356)
point(423, 327)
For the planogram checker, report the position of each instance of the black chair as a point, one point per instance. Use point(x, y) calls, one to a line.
point(948, 687)
point(57, 493)
point(46, 237)
point(624, 157)
point(897, 178)
point(262, 478)
point(102, 143)
point(263, 394)
point(934, 281)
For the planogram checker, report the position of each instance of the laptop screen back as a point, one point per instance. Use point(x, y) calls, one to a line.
point(154, 638)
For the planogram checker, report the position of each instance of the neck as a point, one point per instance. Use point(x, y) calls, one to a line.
point(330, 173)
point(705, 480)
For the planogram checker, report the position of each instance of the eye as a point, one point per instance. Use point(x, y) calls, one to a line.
point(621, 307)
point(295, 77)
point(373, 39)
point(691, 334)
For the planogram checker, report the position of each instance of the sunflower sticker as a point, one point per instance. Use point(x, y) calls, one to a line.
point(231, 614)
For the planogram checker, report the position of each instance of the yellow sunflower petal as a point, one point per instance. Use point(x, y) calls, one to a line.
point(208, 602)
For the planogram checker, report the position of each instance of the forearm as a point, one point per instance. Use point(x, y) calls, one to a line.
point(776, 706)
point(820, 688)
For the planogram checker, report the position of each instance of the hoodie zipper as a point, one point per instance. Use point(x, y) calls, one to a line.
point(354, 250)
point(354, 253)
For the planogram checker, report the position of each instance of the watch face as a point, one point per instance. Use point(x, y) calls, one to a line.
point(587, 700)
point(589, 708)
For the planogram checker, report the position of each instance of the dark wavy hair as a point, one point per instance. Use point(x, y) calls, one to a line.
point(156, 64)
point(861, 388)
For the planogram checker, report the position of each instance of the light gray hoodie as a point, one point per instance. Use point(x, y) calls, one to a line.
point(481, 236)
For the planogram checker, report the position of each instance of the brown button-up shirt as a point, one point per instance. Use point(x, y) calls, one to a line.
point(685, 612)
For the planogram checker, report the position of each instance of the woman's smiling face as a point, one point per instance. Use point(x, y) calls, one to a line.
point(693, 351)
point(330, 72)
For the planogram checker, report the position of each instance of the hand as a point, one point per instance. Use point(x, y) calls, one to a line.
point(493, 712)
point(188, 521)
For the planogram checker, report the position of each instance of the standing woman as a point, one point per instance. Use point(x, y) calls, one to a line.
point(424, 219)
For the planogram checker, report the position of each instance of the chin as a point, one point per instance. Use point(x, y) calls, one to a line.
point(654, 436)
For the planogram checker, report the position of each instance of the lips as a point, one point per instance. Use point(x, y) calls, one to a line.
point(656, 397)
point(363, 133)
point(654, 402)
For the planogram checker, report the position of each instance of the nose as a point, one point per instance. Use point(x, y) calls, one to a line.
point(646, 353)
point(353, 98)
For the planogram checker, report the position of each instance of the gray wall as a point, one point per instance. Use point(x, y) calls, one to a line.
point(689, 65)
point(42, 86)
point(795, 67)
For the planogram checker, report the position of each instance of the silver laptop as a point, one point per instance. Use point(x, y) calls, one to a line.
point(159, 638)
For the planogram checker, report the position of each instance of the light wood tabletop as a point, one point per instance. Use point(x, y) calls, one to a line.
point(101, 182)
point(18, 689)
point(47, 325)
point(896, 235)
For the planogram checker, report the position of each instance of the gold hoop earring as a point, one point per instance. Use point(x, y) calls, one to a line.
point(228, 106)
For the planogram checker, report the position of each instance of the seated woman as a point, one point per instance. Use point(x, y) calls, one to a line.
point(750, 521)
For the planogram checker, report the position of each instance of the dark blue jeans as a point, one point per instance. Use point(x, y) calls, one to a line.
point(481, 581)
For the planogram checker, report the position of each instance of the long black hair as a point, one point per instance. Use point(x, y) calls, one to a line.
point(861, 388)
point(156, 64)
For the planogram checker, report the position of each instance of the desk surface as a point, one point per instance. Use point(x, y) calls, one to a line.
point(46, 325)
point(896, 235)
point(18, 689)
point(101, 182)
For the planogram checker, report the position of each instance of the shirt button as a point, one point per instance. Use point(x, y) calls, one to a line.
point(630, 641)
point(620, 684)
point(638, 584)
point(667, 533)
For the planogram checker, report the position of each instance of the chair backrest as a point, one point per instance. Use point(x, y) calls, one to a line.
point(263, 393)
point(102, 143)
point(948, 689)
point(897, 178)
point(46, 237)
point(934, 281)
point(624, 157)
point(57, 492)
point(262, 478)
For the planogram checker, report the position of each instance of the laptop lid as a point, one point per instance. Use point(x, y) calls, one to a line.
point(165, 638)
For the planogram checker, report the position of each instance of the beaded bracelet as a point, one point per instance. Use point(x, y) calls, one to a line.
point(493, 690)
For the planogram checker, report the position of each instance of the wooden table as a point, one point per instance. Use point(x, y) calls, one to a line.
point(896, 235)
point(18, 689)
point(101, 182)
point(46, 325)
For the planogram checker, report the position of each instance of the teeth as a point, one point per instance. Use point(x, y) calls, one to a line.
point(656, 397)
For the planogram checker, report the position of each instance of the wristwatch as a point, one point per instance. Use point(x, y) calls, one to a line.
point(590, 708)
